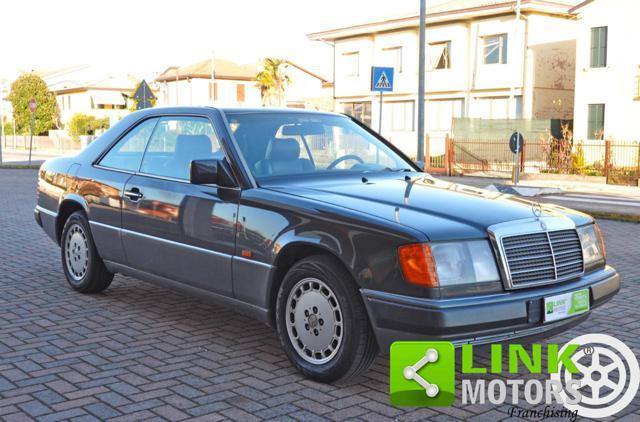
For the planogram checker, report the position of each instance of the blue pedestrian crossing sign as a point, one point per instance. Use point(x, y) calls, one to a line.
point(382, 79)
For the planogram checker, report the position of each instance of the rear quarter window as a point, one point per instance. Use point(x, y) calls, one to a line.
point(127, 153)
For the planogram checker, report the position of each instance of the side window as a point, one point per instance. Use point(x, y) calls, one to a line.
point(177, 141)
point(127, 153)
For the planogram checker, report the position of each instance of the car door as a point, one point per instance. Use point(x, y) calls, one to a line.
point(102, 185)
point(170, 227)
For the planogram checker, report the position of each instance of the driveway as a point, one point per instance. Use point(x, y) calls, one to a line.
point(139, 352)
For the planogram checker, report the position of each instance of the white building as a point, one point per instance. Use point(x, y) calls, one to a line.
point(307, 89)
point(607, 102)
point(235, 85)
point(481, 62)
point(87, 90)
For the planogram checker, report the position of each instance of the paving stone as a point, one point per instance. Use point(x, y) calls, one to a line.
point(138, 352)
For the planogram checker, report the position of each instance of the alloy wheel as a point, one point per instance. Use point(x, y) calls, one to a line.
point(314, 321)
point(77, 252)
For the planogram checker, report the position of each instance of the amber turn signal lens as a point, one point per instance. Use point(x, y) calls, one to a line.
point(601, 240)
point(418, 266)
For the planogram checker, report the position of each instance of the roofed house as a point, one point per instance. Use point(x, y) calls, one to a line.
point(481, 62)
point(233, 84)
point(88, 90)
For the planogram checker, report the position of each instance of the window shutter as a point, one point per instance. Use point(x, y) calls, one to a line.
point(240, 93)
point(603, 46)
point(504, 49)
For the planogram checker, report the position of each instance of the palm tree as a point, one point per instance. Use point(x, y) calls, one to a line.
point(272, 80)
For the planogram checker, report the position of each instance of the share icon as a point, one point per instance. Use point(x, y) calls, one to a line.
point(411, 372)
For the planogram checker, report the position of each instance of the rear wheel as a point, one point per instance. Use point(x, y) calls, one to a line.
point(83, 267)
point(321, 320)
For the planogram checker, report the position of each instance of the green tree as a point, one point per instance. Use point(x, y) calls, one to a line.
point(25, 88)
point(84, 124)
point(272, 81)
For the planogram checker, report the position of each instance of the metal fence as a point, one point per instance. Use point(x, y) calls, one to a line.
point(618, 161)
point(40, 143)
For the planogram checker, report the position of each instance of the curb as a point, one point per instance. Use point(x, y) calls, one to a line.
point(19, 166)
point(627, 218)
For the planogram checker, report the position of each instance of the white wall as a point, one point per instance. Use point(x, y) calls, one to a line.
point(302, 87)
point(198, 92)
point(348, 84)
point(80, 102)
point(550, 69)
point(615, 84)
point(542, 75)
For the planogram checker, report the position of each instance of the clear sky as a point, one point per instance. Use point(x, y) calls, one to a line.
point(145, 36)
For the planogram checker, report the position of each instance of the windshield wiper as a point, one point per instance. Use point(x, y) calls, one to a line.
point(401, 169)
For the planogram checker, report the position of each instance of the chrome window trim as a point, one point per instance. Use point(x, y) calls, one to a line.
point(185, 181)
point(525, 226)
point(113, 144)
point(101, 167)
point(159, 117)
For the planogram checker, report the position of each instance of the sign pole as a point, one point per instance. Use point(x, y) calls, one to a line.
point(379, 128)
point(32, 108)
point(380, 122)
point(31, 138)
point(516, 143)
point(516, 169)
point(381, 80)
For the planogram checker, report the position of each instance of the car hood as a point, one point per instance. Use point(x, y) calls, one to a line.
point(439, 209)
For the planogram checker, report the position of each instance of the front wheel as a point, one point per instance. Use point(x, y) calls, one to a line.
point(83, 267)
point(321, 321)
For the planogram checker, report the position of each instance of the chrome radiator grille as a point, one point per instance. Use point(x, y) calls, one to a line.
point(542, 257)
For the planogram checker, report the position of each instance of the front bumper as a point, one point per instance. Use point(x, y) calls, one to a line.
point(480, 319)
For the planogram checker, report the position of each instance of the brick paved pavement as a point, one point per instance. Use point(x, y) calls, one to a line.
point(139, 352)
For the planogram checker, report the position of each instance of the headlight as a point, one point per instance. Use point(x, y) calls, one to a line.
point(464, 262)
point(448, 263)
point(593, 250)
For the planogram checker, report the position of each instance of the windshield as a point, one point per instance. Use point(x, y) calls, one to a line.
point(281, 143)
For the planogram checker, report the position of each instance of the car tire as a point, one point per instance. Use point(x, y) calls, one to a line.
point(322, 322)
point(84, 269)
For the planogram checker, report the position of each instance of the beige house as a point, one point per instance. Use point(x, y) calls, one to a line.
point(235, 85)
point(607, 102)
point(87, 90)
point(481, 62)
point(307, 89)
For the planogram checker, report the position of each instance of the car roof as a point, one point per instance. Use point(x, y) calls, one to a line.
point(274, 110)
point(225, 110)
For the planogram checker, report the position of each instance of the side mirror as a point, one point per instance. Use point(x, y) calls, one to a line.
point(211, 172)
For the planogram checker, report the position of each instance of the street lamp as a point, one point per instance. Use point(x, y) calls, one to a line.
point(421, 72)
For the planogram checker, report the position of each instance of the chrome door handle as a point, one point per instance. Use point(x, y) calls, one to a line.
point(133, 194)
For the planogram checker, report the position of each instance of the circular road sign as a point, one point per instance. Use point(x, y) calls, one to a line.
point(32, 105)
point(516, 141)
